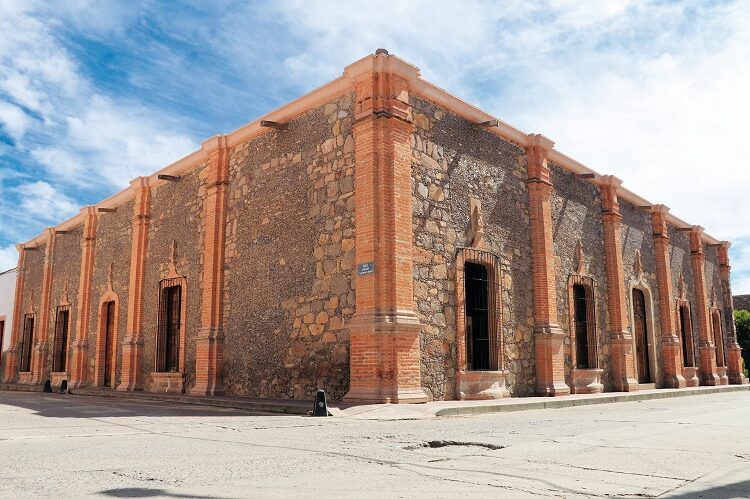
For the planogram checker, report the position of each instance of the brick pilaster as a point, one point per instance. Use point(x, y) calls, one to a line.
point(670, 341)
point(209, 354)
point(384, 332)
point(79, 367)
point(40, 356)
point(548, 336)
point(10, 371)
point(706, 347)
point(620, 337)
point(735, 365)
point(132, 345)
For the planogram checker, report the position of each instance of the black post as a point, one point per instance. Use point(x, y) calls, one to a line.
point(321, 407)
point(48, 386)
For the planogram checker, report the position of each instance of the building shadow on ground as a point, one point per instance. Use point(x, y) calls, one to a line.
point(728, 491)
point(146, 492)
point(55, 405)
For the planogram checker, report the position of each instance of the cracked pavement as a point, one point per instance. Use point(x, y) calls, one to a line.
point(73, 446)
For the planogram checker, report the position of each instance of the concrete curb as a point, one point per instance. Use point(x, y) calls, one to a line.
point(573, 401)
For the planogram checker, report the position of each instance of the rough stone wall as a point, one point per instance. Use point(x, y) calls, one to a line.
point(66, 267)
point(679, 250)
point(32, 290)
point(576, 215)
point(637, 236)
point(113, 247)
point(714, 292)
point(290, 258)
point(452, 161)
point(741, 302)
point(175, 216)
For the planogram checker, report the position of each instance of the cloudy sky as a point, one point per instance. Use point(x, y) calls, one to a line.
point(94, 93)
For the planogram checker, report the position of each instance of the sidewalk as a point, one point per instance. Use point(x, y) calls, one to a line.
point(401, 411)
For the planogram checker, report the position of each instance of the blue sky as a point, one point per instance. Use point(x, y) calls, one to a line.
point(95, 93)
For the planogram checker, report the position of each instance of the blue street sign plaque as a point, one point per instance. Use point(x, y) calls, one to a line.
point(366, 268)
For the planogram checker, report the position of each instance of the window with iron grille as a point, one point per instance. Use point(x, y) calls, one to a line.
point(686, 336)
point(27, 343)
point(170, 324)
point(718, 339)
point(60, 352)
point(480, 283)
point(583, 323)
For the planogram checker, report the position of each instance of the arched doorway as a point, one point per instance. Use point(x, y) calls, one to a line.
point(641, 332)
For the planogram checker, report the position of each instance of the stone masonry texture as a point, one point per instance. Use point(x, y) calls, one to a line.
point(287, 282)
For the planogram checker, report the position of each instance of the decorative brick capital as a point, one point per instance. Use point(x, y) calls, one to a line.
point(608, 184)
point(382, 85)
point(537, 153)
point(696, 244)
point(659, 221)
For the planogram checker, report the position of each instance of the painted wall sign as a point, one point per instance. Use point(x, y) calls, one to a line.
point(366, 268)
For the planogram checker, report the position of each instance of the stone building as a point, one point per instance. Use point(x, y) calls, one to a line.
point(742, 302)
point(383, 240)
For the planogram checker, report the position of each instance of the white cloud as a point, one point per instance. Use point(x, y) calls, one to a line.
point(653, 92)
point(13, 120)
point(8, 257)
point(43, 202)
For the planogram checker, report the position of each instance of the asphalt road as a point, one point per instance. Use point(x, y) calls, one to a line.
point(73, 446)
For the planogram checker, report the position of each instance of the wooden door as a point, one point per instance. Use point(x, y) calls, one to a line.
point(641, 336)
point(109, 328)
point(27, 344)
point(174, 311)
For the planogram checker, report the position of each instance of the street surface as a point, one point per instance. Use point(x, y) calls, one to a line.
point(73, 446)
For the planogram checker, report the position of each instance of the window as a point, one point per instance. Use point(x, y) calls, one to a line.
point(718, 340)
point(477, 315)
point(686, 336)
point(582, 322)
point(170, 322)
point(109, 332)
point(479, 325)
point(60, 354)
point(27, 343)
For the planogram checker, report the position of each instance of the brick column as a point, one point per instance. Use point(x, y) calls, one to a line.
point(735, 365)
point(79, 367)
point(384, 332)
point(548, 336)
point(209, 355)
point(40, 356)
point(620, 338)
point(132, 345)
point(10, 371)
point(706, 346)
point(670, 341)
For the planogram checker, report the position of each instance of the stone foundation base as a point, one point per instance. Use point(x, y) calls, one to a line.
point(587, 381)
point(166, 383)
point(691, 376)
point(26, 378)
point(57, 378)
point(481, 385)
point(721, 372)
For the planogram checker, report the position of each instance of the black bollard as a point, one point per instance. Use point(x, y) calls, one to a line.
point(321, 407)
point(48, 386)
point(64, 386)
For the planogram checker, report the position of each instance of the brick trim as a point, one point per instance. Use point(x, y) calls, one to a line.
point(670, 342)
point(209, 355)
point(79, 364)
point(548, 336)
point(735, 363)
point(40, 359)
point(620, 337)
point(132, 347)
point(384, 332)
point(706, 348)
